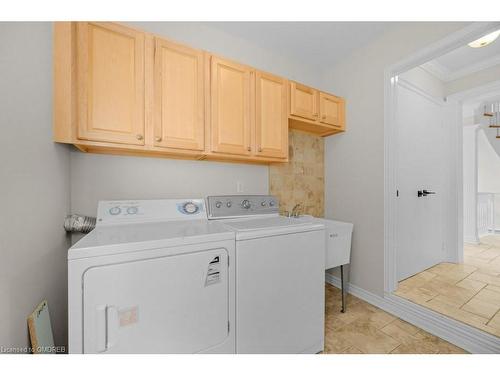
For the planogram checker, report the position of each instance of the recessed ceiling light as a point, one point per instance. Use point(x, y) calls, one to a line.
point(485, 40)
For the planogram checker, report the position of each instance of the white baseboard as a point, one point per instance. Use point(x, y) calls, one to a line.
point(471, 240)
point(471, 339)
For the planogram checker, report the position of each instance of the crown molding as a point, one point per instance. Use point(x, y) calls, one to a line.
point(445, 74)
point(474, 68)
point(437, 69)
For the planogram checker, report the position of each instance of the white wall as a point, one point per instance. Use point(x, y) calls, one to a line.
point(34, 186)
point(354, 161)
point(95, 177)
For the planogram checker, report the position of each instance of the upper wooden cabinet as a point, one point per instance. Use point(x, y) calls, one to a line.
point(123, 91)
point(331, 110)
point(248, 111)
point(271, 119)
point(179, 109)
point(110, 83)
point(231, 107)
point(314, 111)
point(303, 101)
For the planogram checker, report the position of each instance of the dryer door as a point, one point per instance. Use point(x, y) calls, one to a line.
point(173, 304)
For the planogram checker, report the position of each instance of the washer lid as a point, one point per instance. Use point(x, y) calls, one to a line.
point(116, 239)
point(270, 226)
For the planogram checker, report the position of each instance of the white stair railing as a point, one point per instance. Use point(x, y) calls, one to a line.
point(485, 213)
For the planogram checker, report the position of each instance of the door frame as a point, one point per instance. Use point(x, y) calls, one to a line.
point(478, 93)
point(454, 235)
point(474, 238)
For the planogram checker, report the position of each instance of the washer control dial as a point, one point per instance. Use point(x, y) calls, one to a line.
point(229, 204)
point(218, 204)
point(245, 204)
point(271, 203)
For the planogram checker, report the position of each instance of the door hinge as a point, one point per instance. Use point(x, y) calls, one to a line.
point(228, 326)
point(397, 193)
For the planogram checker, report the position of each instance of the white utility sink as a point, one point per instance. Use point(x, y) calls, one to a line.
point(338, 240)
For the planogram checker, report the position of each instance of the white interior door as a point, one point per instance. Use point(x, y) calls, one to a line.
point(423, 155)
point(173, 304)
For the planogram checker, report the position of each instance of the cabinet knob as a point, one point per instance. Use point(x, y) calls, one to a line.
point(139, 137)
point(249, 148)
point(260, 149)
point(158, 139)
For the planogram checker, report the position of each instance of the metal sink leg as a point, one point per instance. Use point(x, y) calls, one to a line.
point(342, 288)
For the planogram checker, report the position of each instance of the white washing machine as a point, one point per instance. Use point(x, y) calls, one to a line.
point(152, 277)
point(280, 279)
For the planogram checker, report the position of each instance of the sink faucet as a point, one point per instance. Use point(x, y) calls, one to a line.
point(296, 210)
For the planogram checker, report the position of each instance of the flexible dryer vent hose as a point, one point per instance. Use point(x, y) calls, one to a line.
point(79, 223)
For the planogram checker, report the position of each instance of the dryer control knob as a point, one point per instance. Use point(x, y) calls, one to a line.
point(132, 210)
point(115, 210)
point(218, 204)
point(190, 208)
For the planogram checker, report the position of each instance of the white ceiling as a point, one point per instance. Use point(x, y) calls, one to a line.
point(464, 60)
point(321, 44)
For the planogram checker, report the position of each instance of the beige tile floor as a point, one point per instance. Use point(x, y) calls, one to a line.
point(365, 329)
point(468, 292)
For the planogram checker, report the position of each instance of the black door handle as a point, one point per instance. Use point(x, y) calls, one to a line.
point(424, 193)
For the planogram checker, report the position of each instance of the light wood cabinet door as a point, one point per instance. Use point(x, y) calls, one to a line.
point(230, 107)
point(110, 83)
point(303, 101)
point(271, 120)
point(178, 97)
point(331, 109)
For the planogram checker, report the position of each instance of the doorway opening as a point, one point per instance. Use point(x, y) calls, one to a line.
point(442, 245)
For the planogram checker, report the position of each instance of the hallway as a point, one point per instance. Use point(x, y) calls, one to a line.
point(468, 292)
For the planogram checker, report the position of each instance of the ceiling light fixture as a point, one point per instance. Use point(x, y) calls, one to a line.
point(485, 40)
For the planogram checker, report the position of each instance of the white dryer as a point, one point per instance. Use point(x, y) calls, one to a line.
point(152, 277)
point(280, 280)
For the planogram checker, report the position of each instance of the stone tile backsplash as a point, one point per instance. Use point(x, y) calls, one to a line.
point(302, 179)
